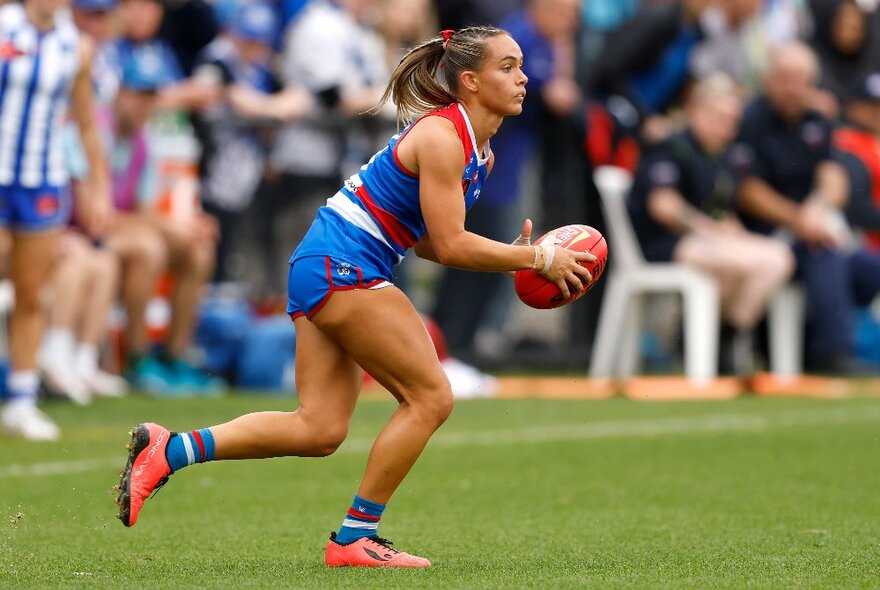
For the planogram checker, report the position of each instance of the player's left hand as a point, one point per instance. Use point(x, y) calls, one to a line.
point(525, 236)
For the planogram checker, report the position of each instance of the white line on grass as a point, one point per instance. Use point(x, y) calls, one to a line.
point(685, 425)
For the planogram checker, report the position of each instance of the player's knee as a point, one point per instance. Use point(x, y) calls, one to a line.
point(436, 407)
point(27, 297)
point(329, 439)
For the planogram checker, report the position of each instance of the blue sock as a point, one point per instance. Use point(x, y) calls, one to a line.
point(361, 520)
point(22, 386)
point(186, 448)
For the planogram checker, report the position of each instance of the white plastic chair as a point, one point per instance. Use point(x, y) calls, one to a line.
point(631, 279)
point(785, 324)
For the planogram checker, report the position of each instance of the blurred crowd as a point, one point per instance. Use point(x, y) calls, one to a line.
point(751, 128)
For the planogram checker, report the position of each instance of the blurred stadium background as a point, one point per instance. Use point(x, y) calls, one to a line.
point(260, 111)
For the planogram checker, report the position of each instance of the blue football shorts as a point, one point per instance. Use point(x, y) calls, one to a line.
point(34, 209)
point(313, 279)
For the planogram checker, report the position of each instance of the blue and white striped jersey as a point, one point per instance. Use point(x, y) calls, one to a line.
point(36, 72)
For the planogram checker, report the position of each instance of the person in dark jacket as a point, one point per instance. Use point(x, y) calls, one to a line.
point(640, 81)
point(795, 188)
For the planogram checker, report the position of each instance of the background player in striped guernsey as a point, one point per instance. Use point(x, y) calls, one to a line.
point(43, 62)
point(348, 315)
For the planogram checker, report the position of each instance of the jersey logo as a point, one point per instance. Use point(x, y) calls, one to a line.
point(8, 51)
point(467, 182)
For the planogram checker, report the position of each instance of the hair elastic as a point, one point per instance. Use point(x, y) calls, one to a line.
point(446, 35)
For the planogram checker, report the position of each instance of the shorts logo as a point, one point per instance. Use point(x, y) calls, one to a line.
point(46, 205)
point(344, 269)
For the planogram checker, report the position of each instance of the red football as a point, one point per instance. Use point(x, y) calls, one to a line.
point(536, 291)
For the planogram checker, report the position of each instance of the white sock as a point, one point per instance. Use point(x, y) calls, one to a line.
point(59, 344)
point(86, 360)
point(22, 386)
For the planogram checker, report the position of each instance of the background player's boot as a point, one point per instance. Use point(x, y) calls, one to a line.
point(147, 470)
point(369, 552)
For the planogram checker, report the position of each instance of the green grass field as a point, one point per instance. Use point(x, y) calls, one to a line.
point(510, 494)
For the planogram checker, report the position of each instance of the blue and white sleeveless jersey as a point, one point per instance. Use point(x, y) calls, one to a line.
point(36, 73)
point(383, 198)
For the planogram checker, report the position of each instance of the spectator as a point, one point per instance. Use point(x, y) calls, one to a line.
point(858, 144)
point(188, 26)
point(843, 42)
point(793, 186)
point(149, 243)
point(682, 206)
point(233, 151)
point(403, 24)
point(95, 18)
point(84, 283)
point(642, 80)
point(724, 48)
point(141, 21)
point(464, 299)
point(331, 51)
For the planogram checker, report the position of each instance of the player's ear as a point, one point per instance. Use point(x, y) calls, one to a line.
point(468, 80)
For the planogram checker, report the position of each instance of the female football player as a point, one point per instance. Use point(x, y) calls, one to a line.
point(43, 61)
point(350, 318)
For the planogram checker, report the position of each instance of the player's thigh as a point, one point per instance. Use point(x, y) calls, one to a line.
point(385, 335)
point(327, 378)
point(33, 256)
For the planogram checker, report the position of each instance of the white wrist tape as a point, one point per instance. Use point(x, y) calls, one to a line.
point(549, 252)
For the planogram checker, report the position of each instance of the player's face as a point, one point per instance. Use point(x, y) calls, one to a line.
point(502, 83)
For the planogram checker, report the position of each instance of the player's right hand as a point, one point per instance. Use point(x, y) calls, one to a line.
point(567, 271)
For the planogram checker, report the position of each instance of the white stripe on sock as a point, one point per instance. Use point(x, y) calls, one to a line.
point(187, 444)
point(359, 524)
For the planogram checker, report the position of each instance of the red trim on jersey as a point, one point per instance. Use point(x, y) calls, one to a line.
point(451, 113)
point(296, 314)
point(357, 514)
point(198, 437)
point(390, 224)
point(397, 161)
